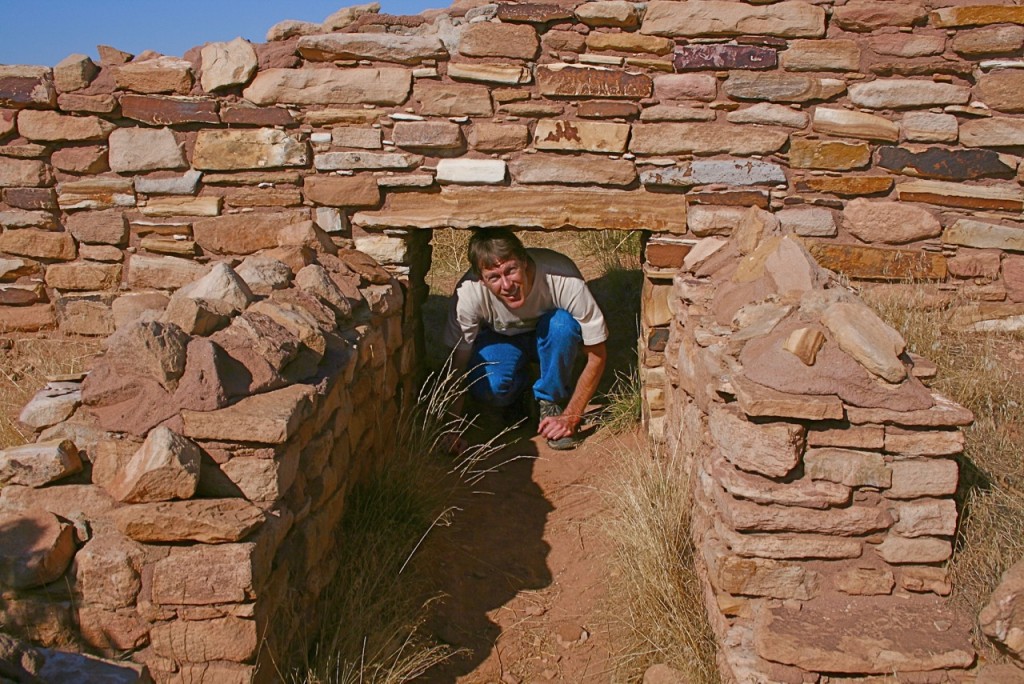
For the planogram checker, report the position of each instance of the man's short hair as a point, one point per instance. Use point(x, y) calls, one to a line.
point(492, 246)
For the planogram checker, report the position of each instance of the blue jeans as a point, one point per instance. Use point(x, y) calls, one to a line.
point(497, 374)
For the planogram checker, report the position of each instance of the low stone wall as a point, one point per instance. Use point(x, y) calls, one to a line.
point(182, 503)
point(823, 469)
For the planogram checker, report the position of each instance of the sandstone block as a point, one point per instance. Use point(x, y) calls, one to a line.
point(789, 19)
point(226, 65)
point(765, 577)
point(929, 127)
point(975, 264)
point(84, 160)
point(491, 137)
point(944, 164)
point(1005, 196)
point(354, 136)
point(269, 418)
point(909, 44)
point(49, 126)
point(980, 15)
point(428, 135)
point(36, 465)
point(771, 450)
point(923, 442)
point(925, 517)
point(808, 221)
point(471, 171)
point(85, 314)
point(453, 99)
point(357, 161)
point(704, 139)
point(921, 550)
point(566, 80)
point(589, 136)
point(157, 75)
point(781, 87)
point(865, 581)
point(107, 570)
point(98, 227)
point(984, 235)
point(384, 86)
point(208, 521)
point(385, 47)
point(24, 172)
point(629, 42)
point(845, 123)
point(995, 132)
point(243, 233)
point(991, 40)
point(38, 244)
point(828, 154)
point(868, 15)
point(143, 149)
point(28, 318)
point(703, 87)
point(36, 550)
point(168, 111)
point(502, 74)
point(486, 39)
point(878, 263)
point(867, 338)
point(27, 86)
point(227, 150)
point(769, 115)
point(854, 520)
point(219, 284)
point(1013, 277)
point(802, 492)
point(999, 619)
point(905, 93)
point(821, 55)
point(165, 468)
point(129, 307)
point(162, 272)
point(541, 168)
point(891, 223)
point(719, 56)
point(925, 579)
point(342, 191)
point(95, 193)
point(848, 467)
point(181, 206)
point(83, 275)
point(199, 641)
point(532, 13)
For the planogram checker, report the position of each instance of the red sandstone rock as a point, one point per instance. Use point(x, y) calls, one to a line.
point(772, 450)
point(107, 570)
point(36, 550)
point(268, 418)
point(40, 463)
point(165, 468)
point(209, 521)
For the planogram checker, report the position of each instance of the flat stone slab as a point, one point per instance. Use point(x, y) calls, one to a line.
point(36, 549)
point(268, 418)
point(530, 210)
point(210, 521)
point(866, 635)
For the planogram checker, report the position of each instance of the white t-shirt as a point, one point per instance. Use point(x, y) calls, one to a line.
point(557, 284)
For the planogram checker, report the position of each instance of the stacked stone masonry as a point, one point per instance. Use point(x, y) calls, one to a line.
point(883, 137)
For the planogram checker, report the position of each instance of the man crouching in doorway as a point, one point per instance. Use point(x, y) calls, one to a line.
point(516, 306)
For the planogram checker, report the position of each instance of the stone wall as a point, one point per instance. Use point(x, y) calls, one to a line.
point(881, 135)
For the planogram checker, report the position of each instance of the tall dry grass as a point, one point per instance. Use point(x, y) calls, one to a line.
point(982, 371)
point(25, 365)
point(656, 593)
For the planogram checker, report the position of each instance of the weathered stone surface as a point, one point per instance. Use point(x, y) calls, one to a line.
point(1006, 197)
point(491, 137)
point(980, 15)
point(315, 280)
point(36, 465)
point(808, 221)
point(904, 93)
point(243, 233)
point(355, 136)
point(589, 136)
point(898, 550)
point(227, 64)
point(486, 39)
point(18, 218)
point(975, 264)
point(821, 55)
point(428, 135)
point(543, 168)
point(995, 132)
point(385, 47)
point(96, 193)
point(704, 139)
point(27, 86)
point(247, 115)
point(803, 492)
point(767, 450)
point(992, 40)
point(849, 124)
point(866, 581)
point(38, 244)
point(356, 161)
point(765, 577)
point(163, 184)
point(1000, 90)
point(676, 113)
point(83, 275)
point(944, 164)
point(342, 191)
point(535, 209)
point(847, 467)
point(269, 418)
point(908, 44)
point(832, 155)
point(181, 206)
point(471, 171)
point(999, 619)
point(629, 42)
point(24, 173)
point(157, 75)
point(563, 41)
point(48, 126)
point(781, 87)
point(862, 334)
point(168, 111)
point(84, 160)
point(36, 550)
point(769, 115)
point(384, 86)
point(687, 57)
point(616, 13)
point(247, 149)
point(744, 516)
point(129, 307)
point(162, 272)
point(888, 222)
point(868, 15)
point(209, 521)
point(219, 284)
point(85, 314)
point(713, 220)
point(878, 263)
point(566, 80)
point(1013, 277)
point(923, 442)
point(502, 74)
point(199, 641)
point(867, 634)
point(532, 13)
point(107, 569)
point(437, 99)
point(943, 413)
point(702, 87)
point(28, 318)
point(144, 149)
point(929, 127)
point(165, 468)
point(789, 19)
point(925, 517)
point(984, 235)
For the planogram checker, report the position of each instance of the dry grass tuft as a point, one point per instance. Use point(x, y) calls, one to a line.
point(982, 371)
point(25, 363)
point(656, 592)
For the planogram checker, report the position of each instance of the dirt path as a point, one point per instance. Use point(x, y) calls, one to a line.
point(525, 569)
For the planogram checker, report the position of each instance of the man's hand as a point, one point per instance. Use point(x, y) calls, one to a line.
point(557, 427)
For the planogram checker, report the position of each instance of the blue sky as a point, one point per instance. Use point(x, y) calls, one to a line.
point(47, 31)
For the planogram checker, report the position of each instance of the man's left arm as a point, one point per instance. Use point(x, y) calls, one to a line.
point(568, 423)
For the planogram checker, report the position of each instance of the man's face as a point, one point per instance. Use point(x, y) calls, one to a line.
point(508, 280)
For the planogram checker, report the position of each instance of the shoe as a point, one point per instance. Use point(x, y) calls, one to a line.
point(549, 409)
